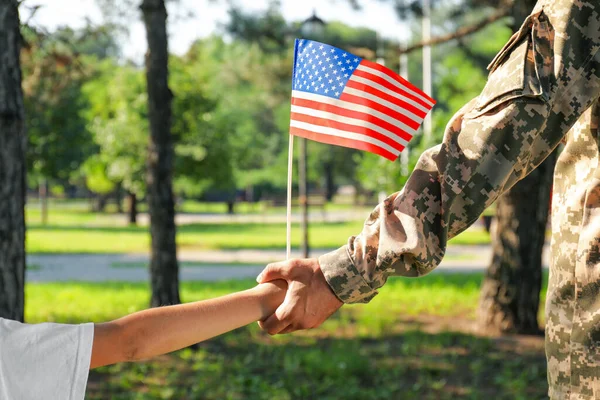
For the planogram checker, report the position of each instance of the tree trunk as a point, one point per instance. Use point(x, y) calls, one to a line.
point(164, 269)
point(303, 197)
point(99, 203)
point(12, 166)
point(510, 294)
point(43, 191)
point(329, 181)
point(132, 200)
point(119, 198)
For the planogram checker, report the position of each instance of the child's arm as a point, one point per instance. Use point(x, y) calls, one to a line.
point(156, 331)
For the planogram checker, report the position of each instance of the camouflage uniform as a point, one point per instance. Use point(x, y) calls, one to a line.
point(543, 87)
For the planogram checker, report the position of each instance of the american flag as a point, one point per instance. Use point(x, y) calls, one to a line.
point(341, 99)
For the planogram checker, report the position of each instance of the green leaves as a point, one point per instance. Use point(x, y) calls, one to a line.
point(117, 119)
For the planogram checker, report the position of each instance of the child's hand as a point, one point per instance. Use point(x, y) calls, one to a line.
point(271, 295)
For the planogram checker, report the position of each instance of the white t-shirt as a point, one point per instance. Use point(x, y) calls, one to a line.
point(44, 361)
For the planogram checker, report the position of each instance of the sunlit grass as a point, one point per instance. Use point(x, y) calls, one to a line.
point(77, 239)
point(374, 351)
point(439, 294)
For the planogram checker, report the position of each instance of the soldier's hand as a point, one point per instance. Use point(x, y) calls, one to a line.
point(309, 300)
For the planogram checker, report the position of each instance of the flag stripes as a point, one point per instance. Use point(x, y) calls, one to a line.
point(343, 100)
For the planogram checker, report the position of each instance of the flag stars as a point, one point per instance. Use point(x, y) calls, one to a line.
point(323, 70)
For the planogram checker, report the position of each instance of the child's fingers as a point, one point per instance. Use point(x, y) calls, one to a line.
point(279, 270)
point(275, 323)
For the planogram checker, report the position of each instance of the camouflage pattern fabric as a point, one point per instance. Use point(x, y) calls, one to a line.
point(543, 88)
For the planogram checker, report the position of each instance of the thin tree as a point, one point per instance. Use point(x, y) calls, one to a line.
point(510, 294)
point(12, 166)
point(164, 269)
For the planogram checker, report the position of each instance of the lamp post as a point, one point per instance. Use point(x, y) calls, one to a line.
point(312, 28)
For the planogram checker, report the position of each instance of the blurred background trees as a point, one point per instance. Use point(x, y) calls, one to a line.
point(89, 122)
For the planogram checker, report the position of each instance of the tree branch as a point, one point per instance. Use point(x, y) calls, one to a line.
point(460, 33)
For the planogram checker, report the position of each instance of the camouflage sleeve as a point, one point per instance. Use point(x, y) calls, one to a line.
point(536, 90)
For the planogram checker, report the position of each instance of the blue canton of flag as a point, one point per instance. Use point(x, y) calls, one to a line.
point(323, 69)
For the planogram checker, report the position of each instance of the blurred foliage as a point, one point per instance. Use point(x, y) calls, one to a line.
point(231, 102)
point(117, 118)
point(55, 67)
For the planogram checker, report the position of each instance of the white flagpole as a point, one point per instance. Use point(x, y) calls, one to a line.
point(288, 249)
point(427, 123)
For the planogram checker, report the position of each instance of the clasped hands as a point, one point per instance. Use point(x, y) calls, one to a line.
point(309, 300)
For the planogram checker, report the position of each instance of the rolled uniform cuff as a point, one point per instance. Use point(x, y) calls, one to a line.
point(344, 278)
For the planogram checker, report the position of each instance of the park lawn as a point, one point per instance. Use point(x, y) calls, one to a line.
point(410, 342)
point(68, 212)
point(97, 239)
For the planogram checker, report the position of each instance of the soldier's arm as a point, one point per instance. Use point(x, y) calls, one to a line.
point(539, 84)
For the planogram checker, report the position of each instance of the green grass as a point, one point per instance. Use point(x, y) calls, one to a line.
point(66, 211)
point(378, 351)
point(72, 228)
point(435, 294)
point(182, 264)
point(77, 239)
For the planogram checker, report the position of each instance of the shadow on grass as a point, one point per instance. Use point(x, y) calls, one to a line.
point(413, 364)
